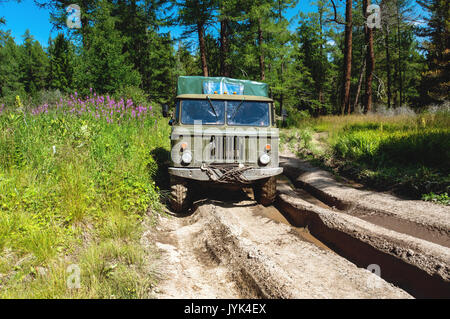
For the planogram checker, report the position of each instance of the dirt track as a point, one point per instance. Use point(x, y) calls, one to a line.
point(303, 247)
point(230, 250)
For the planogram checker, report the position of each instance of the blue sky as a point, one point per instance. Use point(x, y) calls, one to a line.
point(26, 15)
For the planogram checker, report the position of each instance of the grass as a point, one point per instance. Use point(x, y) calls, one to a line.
point(408, 154)
point(441, 198)
point(76, 189)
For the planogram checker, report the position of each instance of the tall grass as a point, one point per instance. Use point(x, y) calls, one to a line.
point(404, 151)
point(76, 183)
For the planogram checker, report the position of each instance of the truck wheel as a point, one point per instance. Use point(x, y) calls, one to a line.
point(179, 195)
point(265, 191)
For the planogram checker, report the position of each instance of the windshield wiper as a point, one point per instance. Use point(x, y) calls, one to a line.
point(212, 107)
point(237, 109)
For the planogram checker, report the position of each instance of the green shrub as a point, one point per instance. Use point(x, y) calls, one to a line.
point(407, 153)
point(437, 198)
point(133, 93)
point(297, 118)
point(70, 181)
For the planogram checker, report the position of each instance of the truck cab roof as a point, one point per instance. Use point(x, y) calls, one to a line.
point(225, 97)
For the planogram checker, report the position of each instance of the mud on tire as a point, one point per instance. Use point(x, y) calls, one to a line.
point(265, 191)
point(179, 195)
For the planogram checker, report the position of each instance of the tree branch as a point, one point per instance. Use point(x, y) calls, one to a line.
point(335, 19)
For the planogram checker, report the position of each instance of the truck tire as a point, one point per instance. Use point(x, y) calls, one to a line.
point(179, 195)
point(265, 191)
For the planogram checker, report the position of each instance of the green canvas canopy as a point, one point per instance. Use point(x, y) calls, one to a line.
point(220, 85)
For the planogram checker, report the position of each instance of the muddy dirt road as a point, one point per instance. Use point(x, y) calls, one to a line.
point(304, 246)
point(238, 249)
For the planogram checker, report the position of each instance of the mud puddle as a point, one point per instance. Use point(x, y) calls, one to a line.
point(320, 193)
point(274, 214)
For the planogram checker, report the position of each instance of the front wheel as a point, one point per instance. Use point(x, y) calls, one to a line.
point(265, 191)
point(179, 195)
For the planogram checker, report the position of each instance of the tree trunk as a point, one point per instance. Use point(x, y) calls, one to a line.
point(370, 61)
point(201, 41)
point(321, 9)
point(388, 66)
point(261, 52)
point(361, 74)
point(282, 83)
point(345, 96)
point(224, 48)
point(399, 43)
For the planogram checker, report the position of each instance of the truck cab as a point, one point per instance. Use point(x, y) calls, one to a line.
point(223, 135)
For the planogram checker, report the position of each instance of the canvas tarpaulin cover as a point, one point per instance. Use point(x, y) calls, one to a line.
point(210, 85)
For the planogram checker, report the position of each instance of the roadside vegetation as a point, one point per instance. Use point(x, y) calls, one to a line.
point(400, 150)
point(77, 187)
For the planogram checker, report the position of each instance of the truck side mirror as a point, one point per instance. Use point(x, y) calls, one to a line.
point(171, 122)
point(165, 110)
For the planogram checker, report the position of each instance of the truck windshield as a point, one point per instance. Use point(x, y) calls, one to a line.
point(207, 111)
point(239, 112)
point(249, 113)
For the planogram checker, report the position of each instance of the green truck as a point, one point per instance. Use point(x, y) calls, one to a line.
point(223, 132)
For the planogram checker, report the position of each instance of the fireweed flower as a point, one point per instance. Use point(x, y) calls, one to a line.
point(97, 107)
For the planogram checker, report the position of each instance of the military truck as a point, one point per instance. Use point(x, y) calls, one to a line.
point(223, 132)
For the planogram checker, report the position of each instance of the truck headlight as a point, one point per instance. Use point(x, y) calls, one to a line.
point(186, 157)
point(264, 159)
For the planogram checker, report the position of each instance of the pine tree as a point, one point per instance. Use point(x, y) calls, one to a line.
point(186, 63)
point(158, 72)
point(58, 16)
point(10, 84)
point(61, 64)
point(312, 41)
point(436, 81)
point(33, 64)
point(195, 16)
point(105, 67)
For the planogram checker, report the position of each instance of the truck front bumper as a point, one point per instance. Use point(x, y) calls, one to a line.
point(200, 174)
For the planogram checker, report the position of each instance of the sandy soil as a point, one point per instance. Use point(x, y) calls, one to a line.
point(232, 250)
point(316, 242)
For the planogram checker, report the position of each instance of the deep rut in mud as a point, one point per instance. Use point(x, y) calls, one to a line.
point(231, 247)
point(374, 207)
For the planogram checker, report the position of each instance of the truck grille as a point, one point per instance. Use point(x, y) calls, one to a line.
point(229, 149)
point(235, 149)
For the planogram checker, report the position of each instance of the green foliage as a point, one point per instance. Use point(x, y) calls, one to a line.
point(105, 67)
point(186, 63)
point(191, 13)
point(80, 187)
point(443, 198)
point(136, 94)
point(33, 64)
point(158, 70)
point(297, 140)
point(436, 80)
point(383, 145)
point(297, 118)
point(61, 69)
point(10, 84)
point(407, 154)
